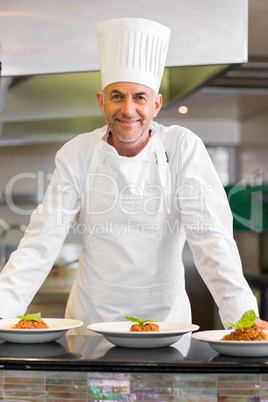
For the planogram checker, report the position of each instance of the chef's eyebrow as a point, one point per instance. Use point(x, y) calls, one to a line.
point(116, 91)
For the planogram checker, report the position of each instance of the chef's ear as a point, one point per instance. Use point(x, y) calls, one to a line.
point(157, 104)
point(100, 101)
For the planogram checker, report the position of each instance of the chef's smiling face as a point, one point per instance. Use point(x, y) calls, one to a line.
point(129, 109)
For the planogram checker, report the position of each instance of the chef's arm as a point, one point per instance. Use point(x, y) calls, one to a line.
point(217, 260)
point(30, 264)
point(207, 221)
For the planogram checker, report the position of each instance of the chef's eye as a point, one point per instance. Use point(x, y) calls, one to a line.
point(140, 98)
point(117, 97)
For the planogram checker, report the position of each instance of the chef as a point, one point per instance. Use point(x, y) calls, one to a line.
point(139, 190)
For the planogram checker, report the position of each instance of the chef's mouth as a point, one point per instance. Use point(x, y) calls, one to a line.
point(128, 122)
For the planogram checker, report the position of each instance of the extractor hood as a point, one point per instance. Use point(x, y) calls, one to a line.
point(49, 58)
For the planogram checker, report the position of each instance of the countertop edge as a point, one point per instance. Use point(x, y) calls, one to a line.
point(134, 367)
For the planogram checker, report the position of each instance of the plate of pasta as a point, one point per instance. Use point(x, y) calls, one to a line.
point(10, 331)
point(245, 339)
point(233, 348)
point(119, 334)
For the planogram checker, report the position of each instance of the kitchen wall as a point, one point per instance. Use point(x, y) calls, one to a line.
point(252, 152)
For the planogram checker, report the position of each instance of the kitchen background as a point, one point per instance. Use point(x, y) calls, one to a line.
point(227, 107)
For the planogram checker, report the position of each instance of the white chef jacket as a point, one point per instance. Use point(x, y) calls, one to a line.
point(134, 220)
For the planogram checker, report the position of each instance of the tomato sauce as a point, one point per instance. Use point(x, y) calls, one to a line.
point(150, 326)
point(29, 324)
point(246, 334)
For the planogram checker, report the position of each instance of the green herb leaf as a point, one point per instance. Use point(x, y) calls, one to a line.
point(247, 320)
point(30, 317)
point(138, 320)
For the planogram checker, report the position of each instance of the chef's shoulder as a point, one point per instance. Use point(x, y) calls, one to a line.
point(177, 138)
point(79, 149)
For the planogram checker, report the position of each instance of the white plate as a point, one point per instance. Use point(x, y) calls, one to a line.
point(57, 328)
point(233, 348)
point(119, 334)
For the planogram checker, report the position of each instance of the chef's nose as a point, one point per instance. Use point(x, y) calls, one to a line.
point(128, 106)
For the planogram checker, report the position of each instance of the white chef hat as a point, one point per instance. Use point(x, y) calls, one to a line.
point(132, 50)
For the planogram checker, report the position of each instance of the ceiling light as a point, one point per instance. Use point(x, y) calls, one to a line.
point(183, 109)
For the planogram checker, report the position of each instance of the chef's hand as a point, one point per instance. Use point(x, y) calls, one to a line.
point(261, 324)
